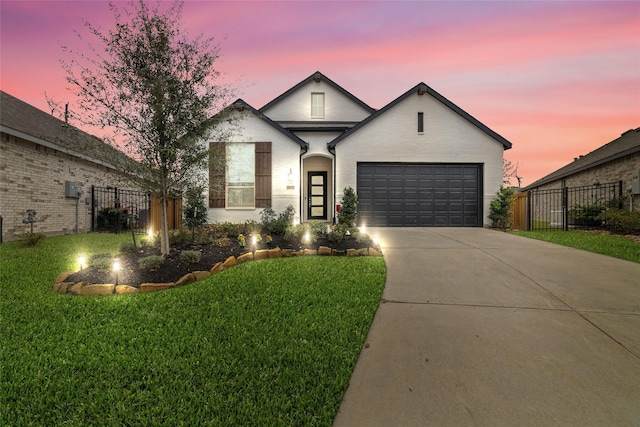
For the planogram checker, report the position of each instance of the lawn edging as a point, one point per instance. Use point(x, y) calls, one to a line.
point(61, 286)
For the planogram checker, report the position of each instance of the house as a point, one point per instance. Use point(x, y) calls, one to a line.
point(419, 161)
point(47, 166)
point(617, 163)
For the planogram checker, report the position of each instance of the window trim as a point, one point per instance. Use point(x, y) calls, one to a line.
point(313, 110)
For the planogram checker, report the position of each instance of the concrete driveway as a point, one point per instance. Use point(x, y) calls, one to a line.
point(483, 328)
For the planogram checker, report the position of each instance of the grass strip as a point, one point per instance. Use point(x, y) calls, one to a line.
point(605, 244)
point(269, 342)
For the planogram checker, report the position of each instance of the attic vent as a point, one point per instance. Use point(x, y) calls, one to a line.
point(239, 106)
point(422, 89)
point(317, 77)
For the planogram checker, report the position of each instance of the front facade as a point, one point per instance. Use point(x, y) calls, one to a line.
point(419, 161)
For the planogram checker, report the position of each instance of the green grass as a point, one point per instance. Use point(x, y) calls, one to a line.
point(269, 342)
point(615, 246)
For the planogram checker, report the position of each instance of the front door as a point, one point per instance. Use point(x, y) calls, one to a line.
point(317, 195)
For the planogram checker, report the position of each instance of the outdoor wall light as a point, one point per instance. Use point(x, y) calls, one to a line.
point(290, 176)
point(116, 268)
point(81, 261)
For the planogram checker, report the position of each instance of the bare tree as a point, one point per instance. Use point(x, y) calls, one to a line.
point(509, 171)
point(156, 90)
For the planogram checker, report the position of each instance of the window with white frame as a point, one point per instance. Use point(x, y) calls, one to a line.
point(317, 105)
point(240, 179)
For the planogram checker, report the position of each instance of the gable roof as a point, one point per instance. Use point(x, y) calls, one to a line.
point(318, 76)
point(628, 143)
point(241, 105)
point(421, 89)
point(25, 121)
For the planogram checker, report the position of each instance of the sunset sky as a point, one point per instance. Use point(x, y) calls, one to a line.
point(557, 79)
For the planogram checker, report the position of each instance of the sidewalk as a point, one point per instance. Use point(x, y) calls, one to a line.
point(479, 327)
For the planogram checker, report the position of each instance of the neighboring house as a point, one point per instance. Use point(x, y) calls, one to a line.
point(419, 161)
point(48, 166)
point(619, 160)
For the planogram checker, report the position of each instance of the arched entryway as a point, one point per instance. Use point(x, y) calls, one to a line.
point(317, 188)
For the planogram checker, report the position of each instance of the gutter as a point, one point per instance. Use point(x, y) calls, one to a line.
point(332, 151)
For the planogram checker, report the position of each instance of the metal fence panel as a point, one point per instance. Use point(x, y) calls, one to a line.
point(571, 207)
point(114, 209)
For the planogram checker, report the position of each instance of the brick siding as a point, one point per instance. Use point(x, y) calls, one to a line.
point(33, 177)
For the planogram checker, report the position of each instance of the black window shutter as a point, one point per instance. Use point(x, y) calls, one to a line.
point(263, 174)
point(217, 175)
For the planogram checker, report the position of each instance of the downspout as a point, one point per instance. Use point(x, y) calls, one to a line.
point(332, 151)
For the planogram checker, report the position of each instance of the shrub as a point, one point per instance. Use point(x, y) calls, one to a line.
point(335, 236)
point(267, 217)
point(30, 239)
point(222, 242)
point(363, 238)
point(127, 248)
point(102, 262)
point(195, 209)
point(318, 228)
point(500, 208)
point(621, 221)
point(181, 236)
point(251, 227)
point(279, 226)
point(348, 208)
point(295, 234)
point(230, 230)
point(586, 216)
point(151, 263)
point(110, 219)
point(190, 257)
point(288, 214)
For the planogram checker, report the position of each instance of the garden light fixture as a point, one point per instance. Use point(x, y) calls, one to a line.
point(254, 240)
point(150, 233)
point(116, 268)
point(81, 261)
point(363, 228)
point(307, 237)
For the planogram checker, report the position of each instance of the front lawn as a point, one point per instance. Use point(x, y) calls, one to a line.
point(269, 342)
point(605, 244)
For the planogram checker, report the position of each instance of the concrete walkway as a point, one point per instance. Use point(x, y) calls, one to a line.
point(483, 328)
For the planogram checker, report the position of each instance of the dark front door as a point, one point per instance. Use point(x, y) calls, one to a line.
point(317, 195)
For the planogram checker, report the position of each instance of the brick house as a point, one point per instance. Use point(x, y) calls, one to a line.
point(618, 160)
point(48, 166)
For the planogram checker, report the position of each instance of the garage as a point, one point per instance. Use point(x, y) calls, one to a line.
point(419, 195)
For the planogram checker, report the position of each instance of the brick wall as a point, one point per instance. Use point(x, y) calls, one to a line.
point(613, 171)
point(33, 177)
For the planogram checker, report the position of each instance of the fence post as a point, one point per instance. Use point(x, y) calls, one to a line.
point(93, 208)
point(565, 208)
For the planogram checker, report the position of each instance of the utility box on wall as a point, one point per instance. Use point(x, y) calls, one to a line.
point(635, 182)
point(72, 190)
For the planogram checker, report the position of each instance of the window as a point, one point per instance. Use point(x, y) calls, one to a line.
point(317, 105)
point(245, 182)
point(241, 161)
point(420, 122)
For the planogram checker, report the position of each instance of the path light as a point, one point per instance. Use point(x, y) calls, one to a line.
point(296, 221)
point(375, 241)
point(81, 261)
point(150, 233)
point(116, 268)
point(363, 228)
point(307, 237)
point(254, 240)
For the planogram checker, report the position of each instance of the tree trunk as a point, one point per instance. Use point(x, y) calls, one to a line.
point(164, 227)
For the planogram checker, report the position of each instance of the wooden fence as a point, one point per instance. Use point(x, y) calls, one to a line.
point(174, 213)
point(519, 211)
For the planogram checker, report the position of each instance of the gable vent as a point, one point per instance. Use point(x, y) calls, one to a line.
point(317, 77)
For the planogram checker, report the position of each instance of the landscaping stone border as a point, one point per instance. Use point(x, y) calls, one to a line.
point(61, 286)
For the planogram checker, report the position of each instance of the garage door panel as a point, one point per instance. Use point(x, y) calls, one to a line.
point(423, 195)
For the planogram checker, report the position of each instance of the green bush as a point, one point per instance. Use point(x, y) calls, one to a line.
point(190, 257)
point(335, 236)
point(231, 230)
point(279, 226)
point(621, 221)
point(348, 208)
point(222, 242)
point(363, 238)
point(110, 219)
point(500, 208)
point(318, 228)
point(251, 227)
point(151, 263)
point(195, 210)
point(267, 217)
point(127, 248)
point(30, 239)
point(296, 234)
point(586, 216)
point(102, 261)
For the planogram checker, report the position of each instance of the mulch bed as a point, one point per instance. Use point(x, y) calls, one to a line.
point(172, 269)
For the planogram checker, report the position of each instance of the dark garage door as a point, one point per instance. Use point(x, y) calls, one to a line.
point(420, 195)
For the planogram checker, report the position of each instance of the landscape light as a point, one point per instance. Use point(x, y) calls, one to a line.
point(150, 233)
point(80, 261)
point(307, 237)
point(254, 240)
point(363, 228)
point(116, 268)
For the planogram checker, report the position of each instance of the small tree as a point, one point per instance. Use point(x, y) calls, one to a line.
point(155, 89)
point(500, 208)
point(194, 210)
point(348, 208)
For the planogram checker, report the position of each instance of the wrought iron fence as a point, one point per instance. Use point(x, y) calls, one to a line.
point(571, 207)
point(114, 209)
